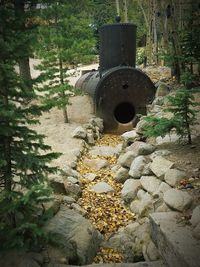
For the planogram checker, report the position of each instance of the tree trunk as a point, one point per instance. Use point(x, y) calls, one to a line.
point(66, 119)
point(24, 69)
point(23, 61)
point(7, 151)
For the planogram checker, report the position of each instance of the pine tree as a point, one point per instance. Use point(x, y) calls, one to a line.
point(24, 160)
point(65, 39)
point(182, 106)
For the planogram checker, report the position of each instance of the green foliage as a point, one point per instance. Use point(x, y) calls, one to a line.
point(140, 55)
point(24, 158)
point(27, 217)
point(65, 39)
point(182, 106)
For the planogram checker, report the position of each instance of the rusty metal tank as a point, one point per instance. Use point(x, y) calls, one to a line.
point(117, 46)
point(119, 90)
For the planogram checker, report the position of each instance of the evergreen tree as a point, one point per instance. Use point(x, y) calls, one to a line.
point(65, 39)
point(24, 164)
point(182, 106)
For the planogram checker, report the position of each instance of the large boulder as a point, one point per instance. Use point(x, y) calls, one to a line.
point(173, 176)
point(150, 183)
point(141, 148)
point(121, 175)
point(130, 137)
point(129, 190)
point(195, 219)
point(160, 166)
point(77, 237)
point(139, 167)
point(126, 159)
point(177, 199)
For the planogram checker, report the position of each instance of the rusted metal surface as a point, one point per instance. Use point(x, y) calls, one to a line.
point(119, 90)
point(117, 46)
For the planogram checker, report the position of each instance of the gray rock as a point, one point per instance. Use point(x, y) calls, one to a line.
point(163, 208)
point(146, 205)
point(177, 199)
point(173, 176)
point(174, 241)
point(141, 148)
point(163, 187)
point(79, 132)
point(150, 183)
point(138, 167)
point(68, 200)
point(126, 159)
point(90, 176)
point(73, 190)
point(118, 149)
point(105, 151)
point(121, 175)
point(102, 187)
point(195, 219)
point(67, 171)
point(150, 252)
point(129, 190)
point(160, 166)
point(130, 137)
point(90, 137)
point(72, 180)
point(140, 194)
point(158, 101)
point(141, 125)
point(135, 206)
point(95, 164)
point(162, 90)
point(79, 209)
point(162, 152)
point(196, 231)
point(97, 122)
point(78, 238)
point(57, 185)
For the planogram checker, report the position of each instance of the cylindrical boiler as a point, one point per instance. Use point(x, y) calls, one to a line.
point(117, 46)
point(119, 90)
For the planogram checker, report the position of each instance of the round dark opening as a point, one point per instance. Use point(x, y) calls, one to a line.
point(124, 112)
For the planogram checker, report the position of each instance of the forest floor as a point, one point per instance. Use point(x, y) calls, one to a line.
point(58, 136)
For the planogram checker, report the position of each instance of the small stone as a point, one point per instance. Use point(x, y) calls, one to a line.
point(95, 164)
point(163, 187)
point(140, 194)
point(90, 176)
point(130, 137)
point(102, 187)
point(129, 190)
point(105, 151)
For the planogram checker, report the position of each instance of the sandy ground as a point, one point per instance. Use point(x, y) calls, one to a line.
point(58, 133)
